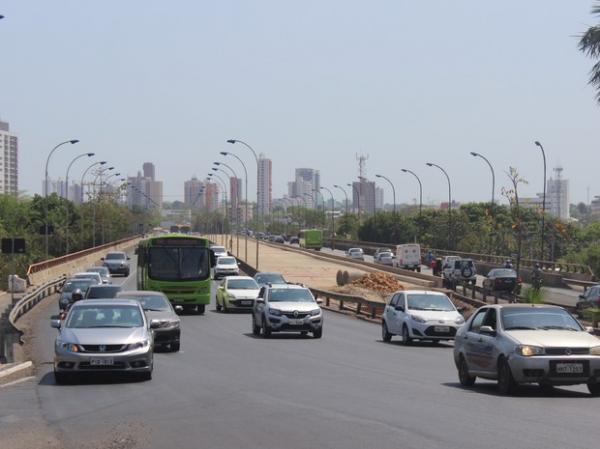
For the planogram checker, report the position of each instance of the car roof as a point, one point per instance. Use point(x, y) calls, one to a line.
point(523, 306)
point(105, 302)
point(268, 272)
point(85, 273)
point(115, 252)
point(225, 257)
point(289, 286)
point(125, 293)
point(233, 278)
point(104, 287)
point(421, 292)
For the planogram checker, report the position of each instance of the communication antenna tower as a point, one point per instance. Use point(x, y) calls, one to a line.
point(362, 162)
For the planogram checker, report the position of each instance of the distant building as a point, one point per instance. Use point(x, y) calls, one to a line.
point(144, 191)
point(211, 196)
point(363, 196)
point(192, 193)
point(306, 182)
point(265, 186)
point(149, 171)
point(9, 158)
point(557, 197)
point(378, 198)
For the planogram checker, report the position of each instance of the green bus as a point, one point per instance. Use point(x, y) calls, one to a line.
point(311, 239)
point(179, 266)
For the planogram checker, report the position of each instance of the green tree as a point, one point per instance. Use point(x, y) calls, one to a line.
point(589, 44)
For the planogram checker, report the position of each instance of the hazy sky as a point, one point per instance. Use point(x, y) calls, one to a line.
point(307, 83)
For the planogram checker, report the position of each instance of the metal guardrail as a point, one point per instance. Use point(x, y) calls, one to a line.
point(373, 309)
point(584, 284)
point(27, 302)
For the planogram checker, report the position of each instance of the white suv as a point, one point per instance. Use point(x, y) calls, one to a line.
point(286, 308)
point(421, 315)
point(356, 254)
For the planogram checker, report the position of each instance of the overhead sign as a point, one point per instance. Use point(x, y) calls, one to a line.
point(13, 246)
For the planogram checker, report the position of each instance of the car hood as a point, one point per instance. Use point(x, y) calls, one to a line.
point(105, 336)
point(162, 315)
point(290, 306)
point(249, 293)
point(226, 267)
point(554, 338)
point(435, 316)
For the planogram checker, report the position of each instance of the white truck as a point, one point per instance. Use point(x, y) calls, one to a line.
point(408, 257)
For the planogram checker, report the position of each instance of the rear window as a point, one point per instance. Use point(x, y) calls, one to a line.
point(226, 261)
point(115, 256)
point(102, 292)
point(290, 294)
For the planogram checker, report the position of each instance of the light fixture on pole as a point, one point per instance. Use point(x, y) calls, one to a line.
point(430, 164)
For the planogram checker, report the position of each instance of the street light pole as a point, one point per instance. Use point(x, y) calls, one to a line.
point(473, 153)
point(82, 197)
point(227, 153)
point(332, 217)
point(233, 141)
point(73, 141)
point(99, 174)
point(543, 203)
point(67, 192)
point(393, 189)
point(429, 164)
point(345, 194)
point(224, 185)
point(406, 170)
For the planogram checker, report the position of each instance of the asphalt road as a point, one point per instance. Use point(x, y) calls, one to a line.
point(227, 389)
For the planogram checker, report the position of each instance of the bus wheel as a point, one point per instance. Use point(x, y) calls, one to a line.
point(200, 309)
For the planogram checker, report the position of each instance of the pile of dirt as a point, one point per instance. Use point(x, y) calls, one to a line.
point(379, 281)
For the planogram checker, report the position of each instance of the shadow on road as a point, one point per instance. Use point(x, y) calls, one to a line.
point(281, 336)
point(524, 391)
point(418, 344)
point(92, 379)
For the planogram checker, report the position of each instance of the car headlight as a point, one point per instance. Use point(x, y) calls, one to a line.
point(275, 312)
point(418, 319)
point(71, 347)
point(459, 320)
point(139, 344)
point(528, 351)
point(315, 312)
point(595, 350)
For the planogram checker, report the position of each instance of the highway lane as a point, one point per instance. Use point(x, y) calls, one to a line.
point(227, 389)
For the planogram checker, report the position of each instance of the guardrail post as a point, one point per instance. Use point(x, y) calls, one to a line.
point(473, 291)
point(341, 304)
point(327, 301)
point(358, 307)
point(373, 311)
point(464, 286)
point(496, 298)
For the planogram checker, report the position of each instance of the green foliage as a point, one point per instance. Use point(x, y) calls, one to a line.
point(590, 45)
point(533, 295)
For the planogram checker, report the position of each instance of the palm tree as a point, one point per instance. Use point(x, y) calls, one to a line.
point(590, 45)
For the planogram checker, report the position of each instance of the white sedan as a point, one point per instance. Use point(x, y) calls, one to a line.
point(237, 292)
point(525, 343)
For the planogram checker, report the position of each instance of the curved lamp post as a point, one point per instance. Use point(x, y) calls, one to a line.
point(406, 170)
point(67, 192)
point(99, 174)
point(393, 189)
point(332, 217)
point(72, 142)
point(85, 172)
point(345, 194)
point(543, 202)
point(430, 164)
point(227, 153)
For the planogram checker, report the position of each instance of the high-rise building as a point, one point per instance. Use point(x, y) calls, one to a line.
point(192, 189)
point(265, 194)
point(211, 195)
point(144, 191)
point(557, 195)
point(9, 168)
point(307, 181)
point(378, 198)
point(149, 170)
point(235, 187)
point(363, 196)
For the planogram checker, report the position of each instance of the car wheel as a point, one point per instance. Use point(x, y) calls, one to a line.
point(406, 340)
point(385, 335)
point(225, 309)
point(200, 309)
point(255, 327)
point(218, 305)
point(62, 378)
point(175, 347)
point(506, 382)
point(418, 269)
point(318, 333)
point(594, 388)
point(466, 380)
point(266, 330)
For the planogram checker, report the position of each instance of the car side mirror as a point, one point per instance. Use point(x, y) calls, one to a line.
point(399, 308)
point(590, 330)
point(102, 258)
point(178, 309)
point(154, 324)
point(129, 258)
point(260, 300)
point(55, 322)
point(487, 330)
point(581, 297)
point(105, 281)
point(319, 301)
point(461, 309)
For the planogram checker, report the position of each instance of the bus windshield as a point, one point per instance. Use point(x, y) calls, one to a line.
point(178, 264)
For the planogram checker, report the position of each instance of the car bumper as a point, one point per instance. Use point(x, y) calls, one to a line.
point(117, 270)
point(240, 304)
point(433, 331)
point(286, 324)
point(129, 361)
point(163, 337)
point(542, 369)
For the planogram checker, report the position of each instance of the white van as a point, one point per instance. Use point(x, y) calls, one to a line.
point(408, 256)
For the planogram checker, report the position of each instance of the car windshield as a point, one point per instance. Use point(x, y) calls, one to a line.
point(86, 317)
point(115, 256)
point(242, 284)
point(226, 261)
point(356, 250)
point(154, 303)
point(290, 295)
point(93, 276)
point(218, 249)
point(172, 263)
point(102, 271)
point(102, 292)
point(518, 318)
point(422, 301)
point(269, 278)
point(74, 285)
point(503, 273)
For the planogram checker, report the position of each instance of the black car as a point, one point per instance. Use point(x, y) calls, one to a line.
point(502, 280)
point(294, 241)
point(102, 291)
point(279, 239)
point(591, 298)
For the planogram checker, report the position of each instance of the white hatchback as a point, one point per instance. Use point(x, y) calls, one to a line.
point(421, 315)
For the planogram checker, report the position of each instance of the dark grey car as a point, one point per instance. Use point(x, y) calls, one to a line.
point(117, 262)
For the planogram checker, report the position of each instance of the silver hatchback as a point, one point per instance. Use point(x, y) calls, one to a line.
point(103, 336)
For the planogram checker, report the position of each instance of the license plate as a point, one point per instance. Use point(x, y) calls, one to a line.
point(297, 322)
point(246, 303)
point(102, 362)
point(569, 368)
point(441, 329)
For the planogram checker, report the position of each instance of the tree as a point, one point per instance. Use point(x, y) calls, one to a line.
point(589, 44)
point(512, 194)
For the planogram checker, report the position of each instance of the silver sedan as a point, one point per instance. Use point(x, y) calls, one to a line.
point(103, 336)
point(524, 343)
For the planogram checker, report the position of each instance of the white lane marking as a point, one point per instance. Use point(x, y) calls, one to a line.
point(18, 381)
